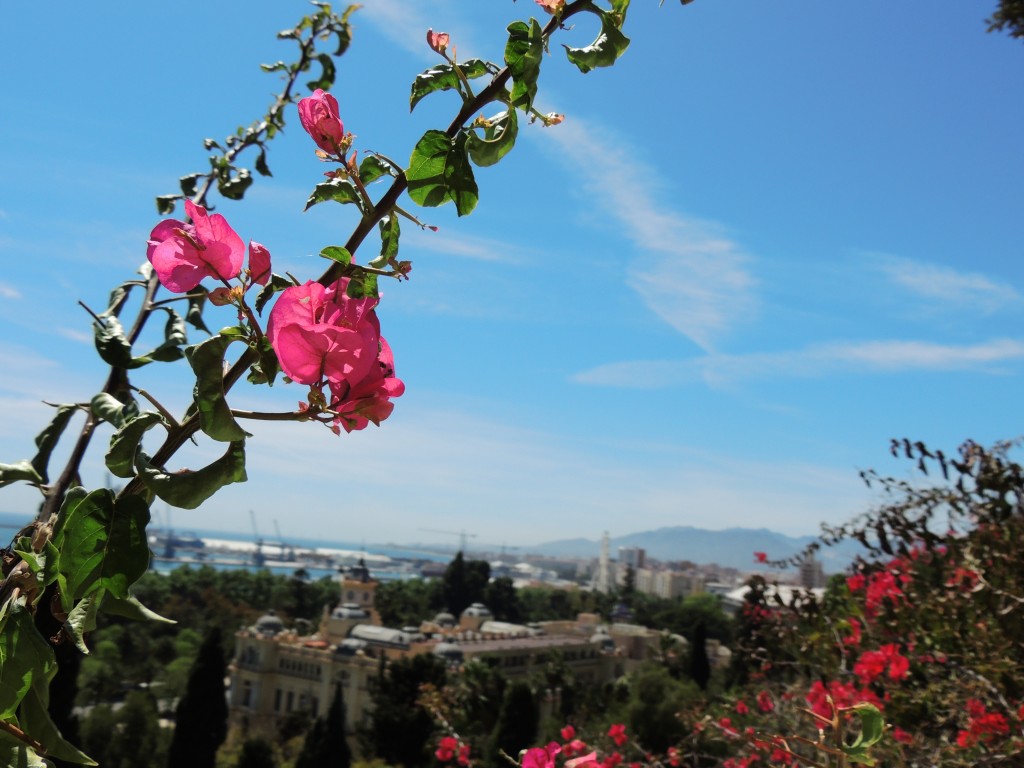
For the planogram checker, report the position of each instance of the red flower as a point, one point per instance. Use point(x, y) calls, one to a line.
point(764, 702)
point(741, 707)
point(617, 733)
point(761, 557)
point(568, 733)
point(898, 734)
point(446, 749)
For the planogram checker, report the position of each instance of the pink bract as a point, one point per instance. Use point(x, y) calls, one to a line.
point(259, 263)
point(183, 255)
point(320, 117)
point(320, 333)
point(370, 399)
point(541, 757)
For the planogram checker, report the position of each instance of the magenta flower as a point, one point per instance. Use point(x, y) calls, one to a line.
point(541, 757)
point(370, 399)
point(438, 41)
point(320, 333)
point(259, 263)
point(182, 254)
point(319, 116)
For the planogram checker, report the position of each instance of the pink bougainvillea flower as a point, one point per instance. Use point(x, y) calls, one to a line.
point(764, 702)
point(369, 399)
point(463, 758)
point(584, 761)
point(183, 255)
point(438, 41)
point(541, 757)
point(741, 707)
point(321, 333)
point(320, 118)
point(568, 733)
point(617, 733)
point(259, 263)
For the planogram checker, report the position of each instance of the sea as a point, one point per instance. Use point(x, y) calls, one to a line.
point(231, 550)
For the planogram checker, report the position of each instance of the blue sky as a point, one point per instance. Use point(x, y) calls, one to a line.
point(773, 237)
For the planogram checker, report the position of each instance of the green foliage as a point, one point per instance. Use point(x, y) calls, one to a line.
point(516, 728)
point(524, 52)
point(399, 730)
point(325, 743)
point(464, 583)
point(444, 77)
point(202, 713)
point(609, 44)
point(439, 172)
point(654, 699)
point(207, 361)
point(256, 753)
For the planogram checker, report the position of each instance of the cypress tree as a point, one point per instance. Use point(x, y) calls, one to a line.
point(517, 722)
point(256, 753)
point(700, 667)
point(202, 714)
point(325, 745)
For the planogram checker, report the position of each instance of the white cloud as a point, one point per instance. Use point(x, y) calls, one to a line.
point(466, 246)
point(812, 361)
point(401, 22)
point(949, 286)
point(76, 335)
point(692, 277)
point(9, 291)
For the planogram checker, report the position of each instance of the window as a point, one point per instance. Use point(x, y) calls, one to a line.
point(277, 700)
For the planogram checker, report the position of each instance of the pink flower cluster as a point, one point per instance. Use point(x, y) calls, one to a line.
point(183, 254)
point(873, 664)
point(322, 335)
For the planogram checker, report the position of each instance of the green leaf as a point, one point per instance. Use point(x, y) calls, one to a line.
point(24, 654)
point(17, 754)
point(22, 470)
point(337, 253)
point(265, 370)
point(108, 408)
point(439, 171)
point(274, 284)
point(112, 344)
point(188, 184)
point(523, 54)
point(339, 190)
point(277, 66)
point(608, 46)
point(72, 499)
point(498, 139)
point(82, 619)
point(187, 489)
point(361, 285)
point(196, 302)
point(47, 440)
point(165, 204)
point(390, 232)
point(35, 721)
point(131, 608)
point(174, 338)
point(872, 727)
point(124, 443)
point(443, 77)
point(261, 163)
point(373, 168)
point(207, 361)
point(326, 79)
point(233, 186)
point(104, 544)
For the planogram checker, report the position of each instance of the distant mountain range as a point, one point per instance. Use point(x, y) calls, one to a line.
point(732, 547)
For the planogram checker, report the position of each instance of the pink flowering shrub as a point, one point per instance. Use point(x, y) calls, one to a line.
point(320, 118)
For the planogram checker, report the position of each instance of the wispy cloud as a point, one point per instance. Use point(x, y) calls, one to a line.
point(694, 278)
point(75, 335)
point(813, 361)
point(9, 291)
point(401, 22)
point(948, 286)
point(466, 247)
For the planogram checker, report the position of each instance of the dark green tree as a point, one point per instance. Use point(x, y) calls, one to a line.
point(500, 596)
point(464, 582)
point(201, 718)
point(517, 723)
point(256, 753)
point(1009, 18)
point(700, 667)
point(399, 729)
point(628, 591)
point(655, 698)
point(325, 745)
